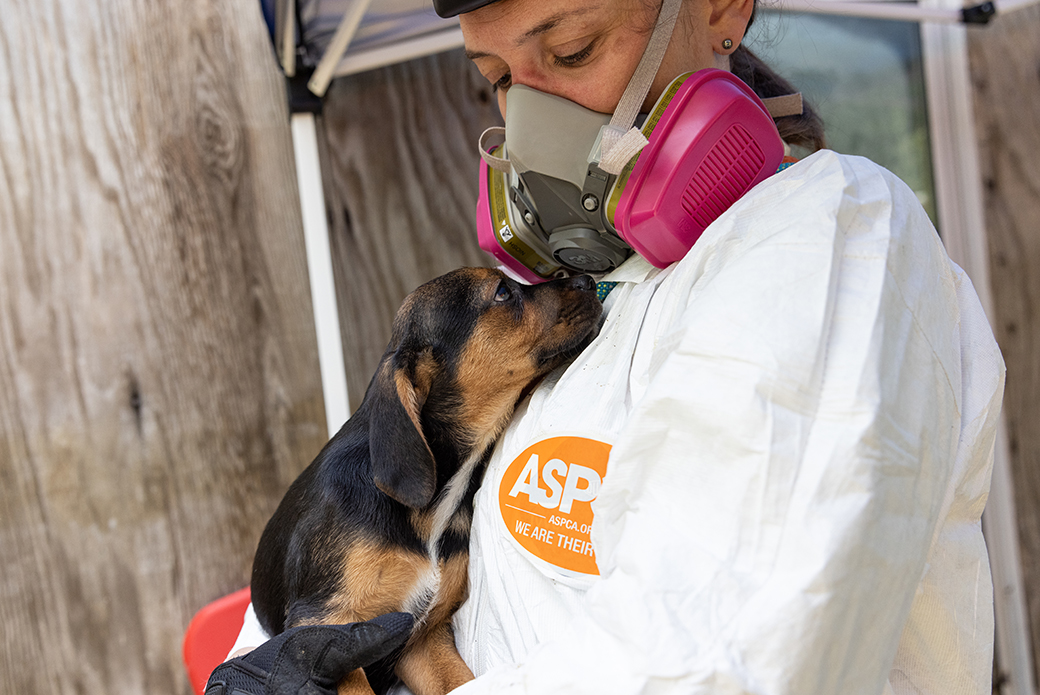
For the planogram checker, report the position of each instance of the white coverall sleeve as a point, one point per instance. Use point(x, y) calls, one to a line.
point(769, 508)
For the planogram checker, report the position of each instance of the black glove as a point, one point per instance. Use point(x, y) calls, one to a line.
point(310, 660)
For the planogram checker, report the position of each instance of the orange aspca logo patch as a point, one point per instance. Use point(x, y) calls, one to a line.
point(546, 500)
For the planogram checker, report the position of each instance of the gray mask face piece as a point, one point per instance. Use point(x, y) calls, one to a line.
point(555, 184)
point(550, 134)
point(558, 178)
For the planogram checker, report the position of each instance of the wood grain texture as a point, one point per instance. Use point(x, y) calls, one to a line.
point(158, 371)
point(1005, 66)
point(400, 169)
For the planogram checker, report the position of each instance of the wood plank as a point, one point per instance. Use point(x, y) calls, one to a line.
point(1005, 66)
point(158, 373)
point(400, 169)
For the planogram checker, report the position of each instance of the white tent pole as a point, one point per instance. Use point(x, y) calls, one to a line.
point(319, 268)
point(925, 11)
point(348, 27)
point(958, 183)
point(1008, 5)
point(878, 10)
point(286, 42)
point(428, 44)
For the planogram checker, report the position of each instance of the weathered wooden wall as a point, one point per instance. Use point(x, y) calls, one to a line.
point(158, 374)
point(1005, 65)
point(158, 367)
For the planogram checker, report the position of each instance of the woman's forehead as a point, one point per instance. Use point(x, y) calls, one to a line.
point(511, 23)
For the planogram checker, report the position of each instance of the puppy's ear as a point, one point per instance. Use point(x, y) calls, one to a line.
point(402, 463)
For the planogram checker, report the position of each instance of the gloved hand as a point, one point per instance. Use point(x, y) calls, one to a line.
point(310, 660)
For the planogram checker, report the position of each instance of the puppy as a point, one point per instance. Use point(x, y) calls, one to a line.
point(379, 522)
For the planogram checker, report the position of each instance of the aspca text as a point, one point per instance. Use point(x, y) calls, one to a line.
point(579, 484)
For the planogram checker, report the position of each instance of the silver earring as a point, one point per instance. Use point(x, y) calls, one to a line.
point(727, 44)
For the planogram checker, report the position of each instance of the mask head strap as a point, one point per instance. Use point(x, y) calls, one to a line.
point(620, 141)
point(493, 161)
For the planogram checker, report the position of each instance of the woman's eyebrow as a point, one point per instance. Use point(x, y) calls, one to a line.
point(549, 24)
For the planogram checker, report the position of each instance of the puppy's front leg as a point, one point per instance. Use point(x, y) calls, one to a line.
point(355, 683)
point(431, 664)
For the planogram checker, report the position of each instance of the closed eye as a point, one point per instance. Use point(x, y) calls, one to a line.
point(575, 59)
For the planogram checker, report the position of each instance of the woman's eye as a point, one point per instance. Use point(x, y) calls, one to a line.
point(574, 59)
point(503, 293)
point(501, 83)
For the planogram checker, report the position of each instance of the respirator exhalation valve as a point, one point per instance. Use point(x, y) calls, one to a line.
point(587, 250)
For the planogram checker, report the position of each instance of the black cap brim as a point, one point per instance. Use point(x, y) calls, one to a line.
point(453, 8)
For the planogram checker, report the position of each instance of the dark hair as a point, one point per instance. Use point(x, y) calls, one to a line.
point(804, 130)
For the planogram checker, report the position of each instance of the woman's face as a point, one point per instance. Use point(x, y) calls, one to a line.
point(581, 50)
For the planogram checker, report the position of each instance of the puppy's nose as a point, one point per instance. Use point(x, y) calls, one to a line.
point(583, 282)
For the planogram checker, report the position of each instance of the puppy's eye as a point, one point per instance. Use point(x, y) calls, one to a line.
point(503, 293)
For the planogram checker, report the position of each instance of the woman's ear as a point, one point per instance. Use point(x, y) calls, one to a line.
point(728, 20)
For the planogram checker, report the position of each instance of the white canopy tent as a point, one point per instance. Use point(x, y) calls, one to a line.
point(323, 39)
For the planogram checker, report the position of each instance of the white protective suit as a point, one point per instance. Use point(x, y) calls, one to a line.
point(786, 442)
point(801, 416)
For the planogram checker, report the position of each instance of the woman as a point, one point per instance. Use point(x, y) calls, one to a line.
point(784, 438)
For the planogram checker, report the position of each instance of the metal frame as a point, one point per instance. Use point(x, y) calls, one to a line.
point(930, 11)
point(445, 40)
point(345, 32)
point(959, 198)
point(319, 270)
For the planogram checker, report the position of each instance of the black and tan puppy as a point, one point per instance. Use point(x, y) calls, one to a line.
point(379, 522)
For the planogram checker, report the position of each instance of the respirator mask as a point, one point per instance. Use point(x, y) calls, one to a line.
point(576, 191)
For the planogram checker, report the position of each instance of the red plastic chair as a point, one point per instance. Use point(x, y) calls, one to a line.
point(211, 634)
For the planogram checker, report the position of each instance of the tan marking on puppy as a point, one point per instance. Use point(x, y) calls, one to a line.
point(380, 580)
point(413, 389)
point(461, 522)
point(422, 522)
point(376, 580)
point(433, 666)
point(490, 391)
point(453, 589)
point(355, 683)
